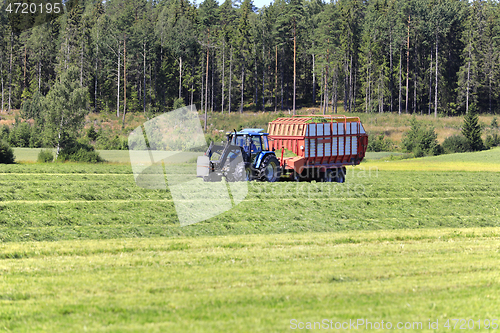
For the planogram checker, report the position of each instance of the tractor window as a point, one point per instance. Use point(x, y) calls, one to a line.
point(258, 145)
point(265, 144)
point(238, 140)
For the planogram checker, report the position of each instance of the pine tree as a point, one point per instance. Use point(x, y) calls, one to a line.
point(472, 131)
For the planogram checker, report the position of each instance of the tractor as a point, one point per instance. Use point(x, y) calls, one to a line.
point(245, 156)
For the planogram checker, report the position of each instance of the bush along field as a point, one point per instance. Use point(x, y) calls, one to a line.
point(411, 240)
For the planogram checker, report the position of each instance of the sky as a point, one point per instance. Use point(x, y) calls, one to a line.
point(256, 3)
point(261, 3)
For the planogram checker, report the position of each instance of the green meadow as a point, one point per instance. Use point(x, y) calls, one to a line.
point(403, 240)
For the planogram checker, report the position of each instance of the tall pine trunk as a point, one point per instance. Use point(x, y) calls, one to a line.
point(325, 98)
point(192, 87)
point(230, 78)
point(206, 83)
point(322, 99)
point(144, 76)
point(391, 79)
point(399, 98)
point(325, 110)
point(336, 89)
point(81, 63)
point(223, 72)
point(314, 80)
point(263, 78)
point(436, 87)
point(242, 87)
point(118, 86)
point(346, 83)
point(10, 70)
point(95, 78)
point(276, 81)
point(351, 87)
point(468, 82)
point(255, 95)
point(282, 77)
point(407, 64)
point(180, 77)
point(369, 108)
point(294, 64)
point(202, 91)
point(430, 86)
point(1, 76)
point(24, 77)
point(124, 81)
point(39, 73)
point(212, 86)
point(415, 84)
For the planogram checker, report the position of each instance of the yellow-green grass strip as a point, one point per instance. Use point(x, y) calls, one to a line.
point(250, 283)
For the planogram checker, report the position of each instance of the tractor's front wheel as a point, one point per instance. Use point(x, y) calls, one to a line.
point(238, 174)
point(270, 169)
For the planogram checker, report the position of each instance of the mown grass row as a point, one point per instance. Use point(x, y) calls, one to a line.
point(50, 206)
point(250, 283)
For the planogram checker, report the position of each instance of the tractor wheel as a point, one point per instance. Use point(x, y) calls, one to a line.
point(238, 174)
point(270, 169)
point(248, 174)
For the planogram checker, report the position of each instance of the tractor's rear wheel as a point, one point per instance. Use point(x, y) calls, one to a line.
point(270, 169)
point(248, 174)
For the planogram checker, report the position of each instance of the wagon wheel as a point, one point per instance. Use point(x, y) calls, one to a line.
point(328, 176)
point(340, 175)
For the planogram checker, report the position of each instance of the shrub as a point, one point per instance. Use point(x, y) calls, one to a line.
point(494, 123)
point(471, 130)
point(456, 144)
point(492, 141)
point(419, 140)
point(418, 152)
point(91, 133)
point(178, 103)
point(79, 152)
point(6, 153)
point(20, 135)
point(380, 143)
point(45, 156)
point(106, 143)
point(4, 132)
point(437, 150)
point(36, 136)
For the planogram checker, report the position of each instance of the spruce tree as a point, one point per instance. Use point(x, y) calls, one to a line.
point(472, 131)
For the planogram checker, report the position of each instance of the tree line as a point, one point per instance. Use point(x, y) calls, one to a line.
point(406, 56)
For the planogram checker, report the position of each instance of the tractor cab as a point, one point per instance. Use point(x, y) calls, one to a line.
point(252, 140)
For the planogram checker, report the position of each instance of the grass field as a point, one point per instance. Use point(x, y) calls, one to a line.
point(488, 160)
point(250, 283)
point(84, 249)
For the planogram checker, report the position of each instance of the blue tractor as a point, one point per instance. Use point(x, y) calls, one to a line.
point(244, 156)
